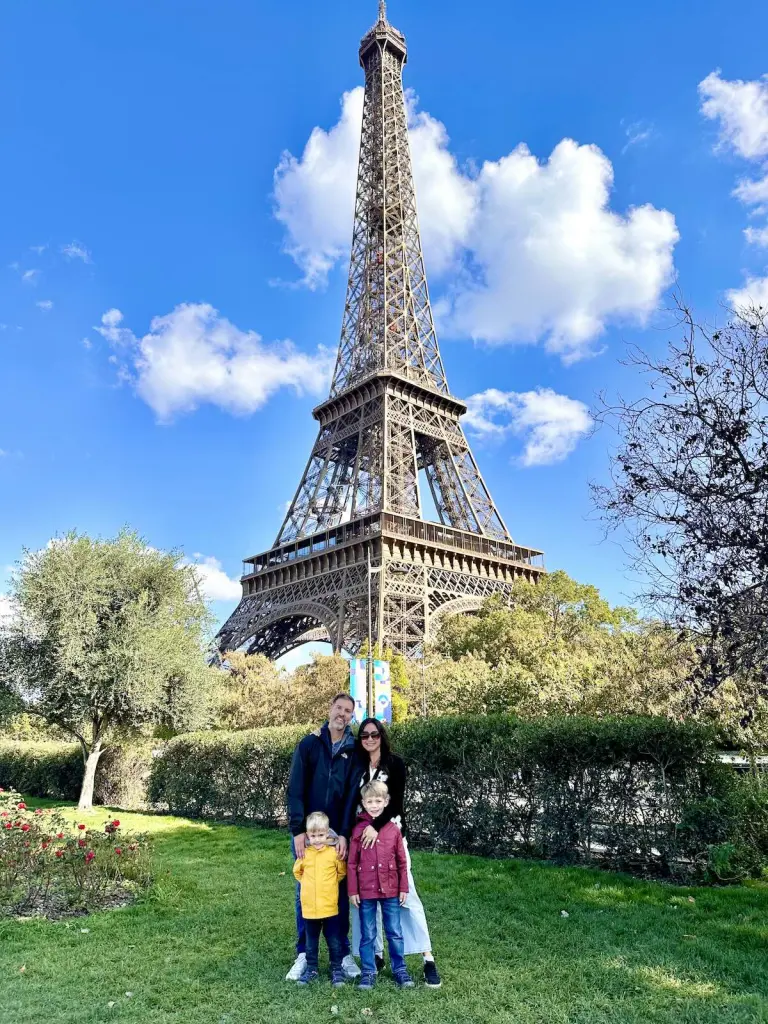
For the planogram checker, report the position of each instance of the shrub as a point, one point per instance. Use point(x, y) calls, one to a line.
point(49, 867)
point(55, 770)
point(646, 795)
point(239, 775)
point(42, 769)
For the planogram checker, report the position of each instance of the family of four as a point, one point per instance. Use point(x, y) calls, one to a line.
point(346, 805)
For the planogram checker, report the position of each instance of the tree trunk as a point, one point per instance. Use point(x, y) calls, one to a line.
point(89, 777)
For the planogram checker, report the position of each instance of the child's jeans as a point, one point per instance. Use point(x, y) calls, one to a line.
point(390, 913)
point(329, 926)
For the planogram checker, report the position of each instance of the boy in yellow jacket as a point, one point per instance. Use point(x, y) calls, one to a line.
point(319, 871)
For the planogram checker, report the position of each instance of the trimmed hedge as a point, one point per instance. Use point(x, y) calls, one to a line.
point(645, 795)
point(237, 775)
point(42, 769)
point(55, 770)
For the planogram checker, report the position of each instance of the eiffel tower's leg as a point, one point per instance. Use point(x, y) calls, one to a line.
point(400, 464)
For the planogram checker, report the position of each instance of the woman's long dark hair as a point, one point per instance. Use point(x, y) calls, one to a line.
point(361, 752)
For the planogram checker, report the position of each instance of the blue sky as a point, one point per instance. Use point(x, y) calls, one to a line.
point(154, 169)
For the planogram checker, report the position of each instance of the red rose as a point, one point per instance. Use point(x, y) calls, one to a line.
point(8, 824)
point(81, 842)
point(118, 850)
point(22, 806)
point(25, 828)
point(81, 827)
point(59, 853)
point(89, 856)
point(59, 835)
point(3, 814)
point(116, 823)
point(45, 845)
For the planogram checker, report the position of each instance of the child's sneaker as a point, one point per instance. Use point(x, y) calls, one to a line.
point(431, 976)
point(338, 978)
point(298, 968)
point(308, 976)
point(404, 980)
point(367, 982)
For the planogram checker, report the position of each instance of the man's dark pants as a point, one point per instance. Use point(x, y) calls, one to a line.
point(342, 920)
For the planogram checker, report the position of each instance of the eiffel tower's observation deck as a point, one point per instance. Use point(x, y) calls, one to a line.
point(390, 444)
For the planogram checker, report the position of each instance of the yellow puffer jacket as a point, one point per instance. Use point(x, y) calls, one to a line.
point(319, 872)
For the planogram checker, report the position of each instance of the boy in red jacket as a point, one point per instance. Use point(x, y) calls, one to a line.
point(378, 877)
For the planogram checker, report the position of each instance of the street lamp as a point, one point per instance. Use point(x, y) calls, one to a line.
point(394, 567)
point(369, 666)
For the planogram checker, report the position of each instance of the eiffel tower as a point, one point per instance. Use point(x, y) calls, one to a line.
point(356, 556)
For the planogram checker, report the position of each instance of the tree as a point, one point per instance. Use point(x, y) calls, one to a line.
point(559, 648)
point(313, 686)
point(109, 637)
point(690, 484)
point(254, 693)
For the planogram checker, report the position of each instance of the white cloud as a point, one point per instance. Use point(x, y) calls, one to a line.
point(551, 260)
point(45, 304)
point(3, 453)
point(38, 248)
point(214, 582)
point(76, 251)
point(754, 292)
point(535, 250)
point(551, 424)
point(193, 355)
point(30, 276)
point(315, 196)
point(741, 109)
point(637, 133)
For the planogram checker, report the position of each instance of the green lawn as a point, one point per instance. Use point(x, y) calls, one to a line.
point(211, 943)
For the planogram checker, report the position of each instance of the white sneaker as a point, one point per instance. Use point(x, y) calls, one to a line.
point(298, 968)
point(349, 966)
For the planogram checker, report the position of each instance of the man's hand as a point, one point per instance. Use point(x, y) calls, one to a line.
point(299, 843)
point(341, 848)
point(403, 898)
point(355, 901)
point(369, 837)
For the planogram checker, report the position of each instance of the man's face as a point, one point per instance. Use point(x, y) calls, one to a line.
point(340, 714)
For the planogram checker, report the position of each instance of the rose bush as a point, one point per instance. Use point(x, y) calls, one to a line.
point(48, 867)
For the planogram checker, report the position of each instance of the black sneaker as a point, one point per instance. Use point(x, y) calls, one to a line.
point(338, 978)
point(367, 982)
point(404, 980)
point(431, 977)
point(379, 963)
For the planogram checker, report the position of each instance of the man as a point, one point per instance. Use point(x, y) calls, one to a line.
point(323, 779)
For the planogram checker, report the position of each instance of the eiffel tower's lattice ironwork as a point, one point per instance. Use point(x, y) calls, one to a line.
point(390, 437)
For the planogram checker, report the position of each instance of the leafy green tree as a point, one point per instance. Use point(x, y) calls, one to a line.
point(253, 693)
point(109, 637)
point(313, 686)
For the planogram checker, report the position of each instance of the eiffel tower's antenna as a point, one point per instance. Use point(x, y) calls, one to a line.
point(390, 451)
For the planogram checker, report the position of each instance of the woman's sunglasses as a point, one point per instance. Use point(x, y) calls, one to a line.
point(370, 735)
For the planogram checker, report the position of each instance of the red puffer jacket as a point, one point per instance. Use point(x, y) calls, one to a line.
point(380, 872)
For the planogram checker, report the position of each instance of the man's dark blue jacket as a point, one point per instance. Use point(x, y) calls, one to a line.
point(322, 781)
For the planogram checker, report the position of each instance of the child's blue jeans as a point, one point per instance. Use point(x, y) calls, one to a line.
point(390, 914)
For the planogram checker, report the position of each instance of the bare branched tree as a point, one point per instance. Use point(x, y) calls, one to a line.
point(690, 484)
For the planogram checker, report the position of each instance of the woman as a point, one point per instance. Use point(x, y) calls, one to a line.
point(377, 761)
